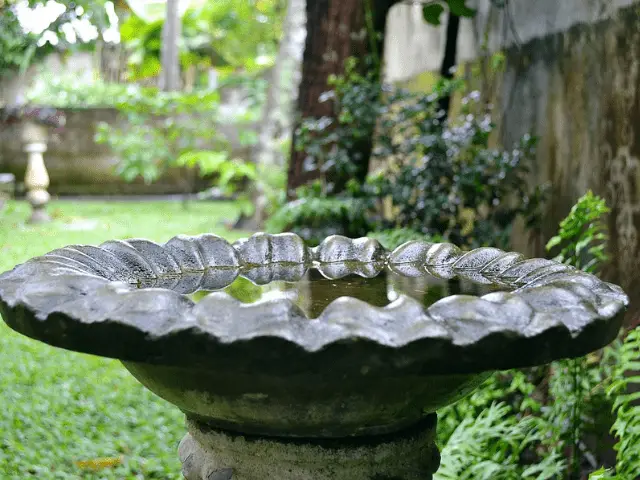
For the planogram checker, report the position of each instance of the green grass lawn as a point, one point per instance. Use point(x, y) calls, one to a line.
point(58, 407)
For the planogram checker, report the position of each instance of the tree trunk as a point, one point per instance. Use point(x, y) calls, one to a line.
point(336, 30)
point(449, 59)
point(170, 61)
point(276, 112)
point(272, 121)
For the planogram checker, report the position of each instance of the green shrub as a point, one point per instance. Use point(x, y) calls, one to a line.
point(491, 445)
point(315, 216)
point(546, 413)
point(440, 174)
point(166, 129)
point(71, 91)
point(582, 237)
point(334, 145)
point(581, 382)
point(161, 130)
point(625, 394)
point(18, 48)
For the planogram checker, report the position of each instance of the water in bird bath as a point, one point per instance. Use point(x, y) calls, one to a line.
point(313, 291)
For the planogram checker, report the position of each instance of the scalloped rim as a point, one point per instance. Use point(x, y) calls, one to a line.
point(91, 285)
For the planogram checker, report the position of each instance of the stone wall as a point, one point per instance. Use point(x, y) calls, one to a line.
point(413, 47)
point(572, 78)
point(525, 20)
point(77, 165)
point(578, 90)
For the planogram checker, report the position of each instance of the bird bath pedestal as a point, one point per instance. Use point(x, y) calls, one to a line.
point(295, 363)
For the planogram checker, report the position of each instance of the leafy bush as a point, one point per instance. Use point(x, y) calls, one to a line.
point(557, 406)
point(160, 127)
point(443, 177)
point(337, 203)
point(582, 234)
point(169, 129)
point(315, 215)
point(333, 146)
point(231, 174)
point(500, 431)
point(71, 91)
point(491, 446)
point(516, 387)
point(225, 34)
point(17, 48)
point(440, 175)
point(581, 382)
point(625, 394)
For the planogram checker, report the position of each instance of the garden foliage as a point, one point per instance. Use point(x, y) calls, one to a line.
point(226, 34)
point(164, 130)
point(19, 48)
point(443, 177)
point(546, 423)
point(316, 214)
point(440, 176)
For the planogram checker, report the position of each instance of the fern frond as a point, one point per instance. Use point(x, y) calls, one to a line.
point(490, 446)
point(582, 236)
point(627, 408)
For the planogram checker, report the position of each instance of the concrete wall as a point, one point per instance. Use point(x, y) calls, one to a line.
point(578, 90)
point(526, 20)
point(77, 165)
point(571, 78)
point(412, 46)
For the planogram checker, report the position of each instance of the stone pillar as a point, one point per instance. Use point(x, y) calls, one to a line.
point(208, 454)
point(36, 179)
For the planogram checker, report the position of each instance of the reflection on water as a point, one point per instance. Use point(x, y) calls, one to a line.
point(314, 292)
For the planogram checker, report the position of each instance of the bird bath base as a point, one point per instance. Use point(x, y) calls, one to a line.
point(209, 454)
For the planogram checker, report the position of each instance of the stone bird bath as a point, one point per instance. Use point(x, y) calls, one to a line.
point(297, 363)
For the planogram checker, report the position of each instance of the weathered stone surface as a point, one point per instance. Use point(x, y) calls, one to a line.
point(208, 454)
point(464, 331)
point(337, 248)
point(266, 368)
point(310, 404)
point(572, 79)
point(262, 248)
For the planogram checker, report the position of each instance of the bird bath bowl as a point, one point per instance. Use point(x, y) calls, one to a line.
point(298, 363)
